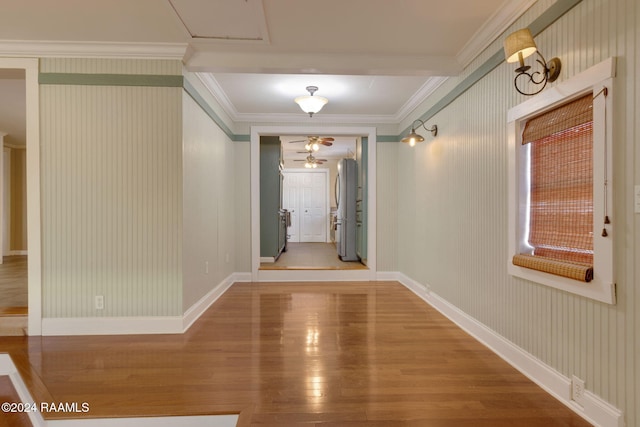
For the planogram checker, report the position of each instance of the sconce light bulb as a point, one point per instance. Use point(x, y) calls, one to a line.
point(315, 147)
point(412, 142)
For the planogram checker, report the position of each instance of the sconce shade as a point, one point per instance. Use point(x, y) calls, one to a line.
point(519, 42)
point(413, 138)
point(309, 103)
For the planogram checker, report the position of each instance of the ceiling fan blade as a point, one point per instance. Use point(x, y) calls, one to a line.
point(326, 144)
point(328, 138)
point(322, 160)
point(300, 140)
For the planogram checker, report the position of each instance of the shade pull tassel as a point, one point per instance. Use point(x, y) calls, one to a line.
point(606, 219)
point(604, 232)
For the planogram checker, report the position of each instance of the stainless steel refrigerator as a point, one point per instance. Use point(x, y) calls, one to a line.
point(346, 193)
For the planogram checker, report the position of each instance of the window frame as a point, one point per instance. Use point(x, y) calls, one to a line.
point(602, 287)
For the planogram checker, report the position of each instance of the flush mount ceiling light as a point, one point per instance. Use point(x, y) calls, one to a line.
point(520, 45)
point(309, 103)
point(413, 138)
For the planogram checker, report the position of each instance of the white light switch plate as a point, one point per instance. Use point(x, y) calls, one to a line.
point(637, 192)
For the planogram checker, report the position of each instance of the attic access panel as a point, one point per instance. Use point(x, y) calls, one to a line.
point(223, 19)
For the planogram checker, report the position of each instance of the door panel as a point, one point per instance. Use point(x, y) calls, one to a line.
point(290, 201)
point(306, 194)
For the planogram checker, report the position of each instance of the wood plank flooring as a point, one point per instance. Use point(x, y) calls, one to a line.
point(13, 281)
point(295, 354)
point(9, 394)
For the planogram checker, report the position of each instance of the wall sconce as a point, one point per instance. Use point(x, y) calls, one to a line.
point(520, 45)
point(413, 138)
point(309, 103)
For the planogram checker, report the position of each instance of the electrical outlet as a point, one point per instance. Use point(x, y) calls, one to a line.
point(99, 302)
point(577, 390)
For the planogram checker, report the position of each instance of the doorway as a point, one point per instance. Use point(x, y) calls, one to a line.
point(23, 229)
point(259, 274)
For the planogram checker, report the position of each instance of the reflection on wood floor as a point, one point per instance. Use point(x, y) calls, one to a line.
point(289, 354)
point(311, 256)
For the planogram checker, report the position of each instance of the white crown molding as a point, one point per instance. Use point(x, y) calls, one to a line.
point(317, 118)
point(59, 49)
point(423, 93)
point(492, 29)
point(219, 94)
point(212, 85)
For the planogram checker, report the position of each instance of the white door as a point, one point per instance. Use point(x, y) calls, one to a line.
point(306, 194)
point(313, 227)
point(291, 202)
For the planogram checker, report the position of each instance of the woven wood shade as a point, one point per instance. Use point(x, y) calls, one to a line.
point(582, 272)
point(561, 193)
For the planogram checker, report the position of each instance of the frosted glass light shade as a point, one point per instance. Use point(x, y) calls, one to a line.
point(310, 103)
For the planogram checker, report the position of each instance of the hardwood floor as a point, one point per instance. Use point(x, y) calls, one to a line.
point(13, 281)
point(289, 354)
point(9, 394)
point(311, 256)
point(13, 295)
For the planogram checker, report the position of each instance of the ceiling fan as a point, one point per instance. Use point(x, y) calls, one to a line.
point(311, 161)
point(313, 143)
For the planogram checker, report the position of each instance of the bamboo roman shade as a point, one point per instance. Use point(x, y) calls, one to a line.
point(561, 191)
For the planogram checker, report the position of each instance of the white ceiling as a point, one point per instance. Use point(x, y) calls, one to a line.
point(369, 57)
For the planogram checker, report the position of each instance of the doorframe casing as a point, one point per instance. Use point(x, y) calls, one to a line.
point(312, 275)
point(327, 192)
point(30, 65)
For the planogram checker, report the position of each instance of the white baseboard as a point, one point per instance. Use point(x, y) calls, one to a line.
point(595, 410)
point(197, 309)
point(242, 277)
point(267, 259)
point(143, 324)
point(112, 325)
point(16, 252)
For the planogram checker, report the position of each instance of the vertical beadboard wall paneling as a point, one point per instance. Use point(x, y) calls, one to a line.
point(208, 197)
point(452, 208)
point(111, 190)
point(242, 205)
point(388, 184)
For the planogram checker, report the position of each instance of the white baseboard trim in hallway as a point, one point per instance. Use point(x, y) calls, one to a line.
point(139, 324)
point(595, 410)
point(196, 310)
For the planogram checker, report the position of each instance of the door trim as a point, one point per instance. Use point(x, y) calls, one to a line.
point(30, 65)
point(256, 132)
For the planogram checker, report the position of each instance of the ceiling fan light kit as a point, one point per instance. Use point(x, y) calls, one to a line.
point(311, 104)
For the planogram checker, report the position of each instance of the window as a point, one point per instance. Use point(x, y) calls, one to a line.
point(560, 175)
